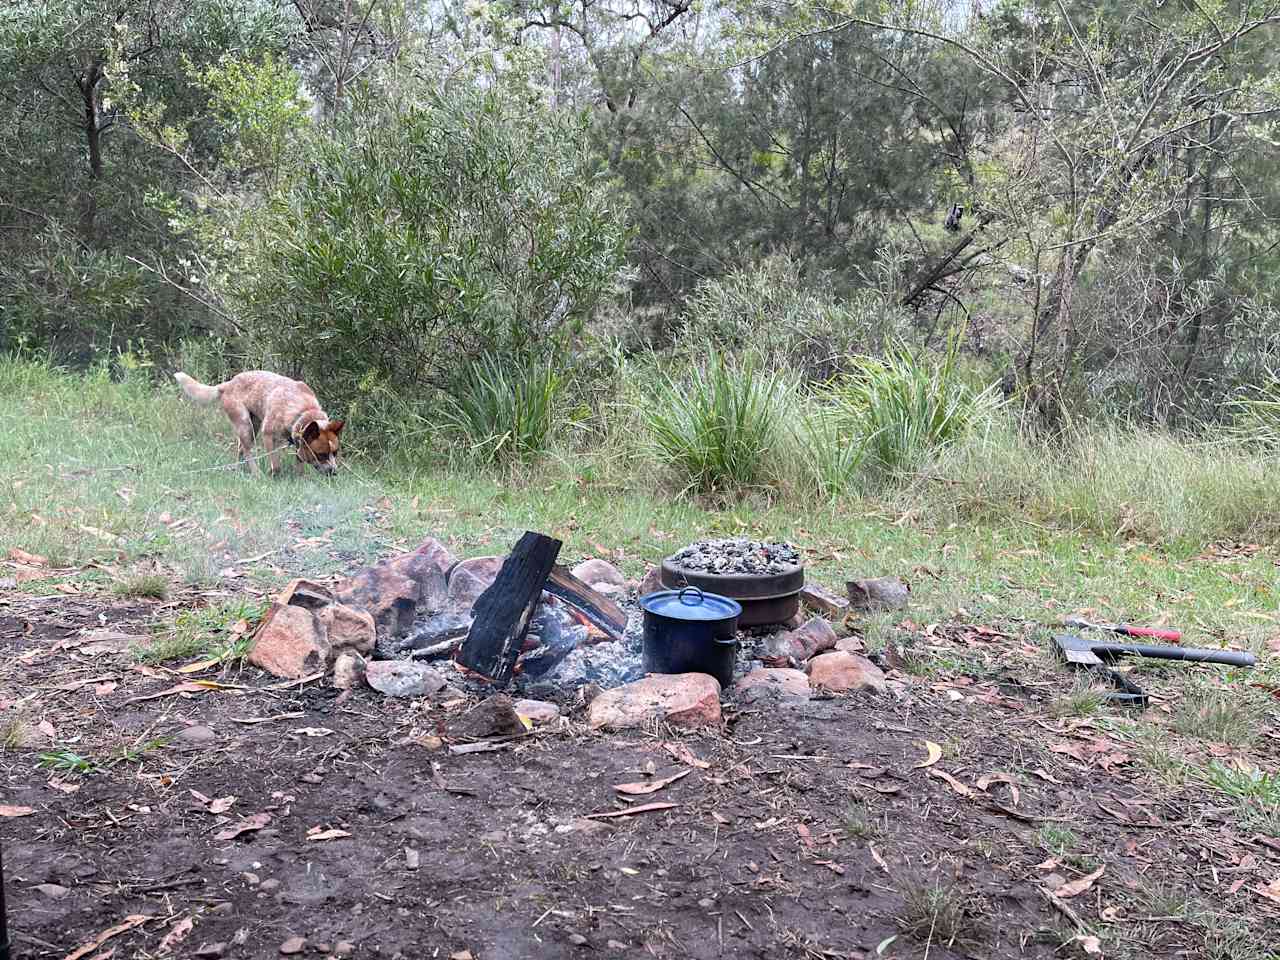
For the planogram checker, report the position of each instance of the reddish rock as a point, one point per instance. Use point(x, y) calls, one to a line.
point(840, 671)
point(429, 566)
point(600, 575)
point(470, 578)
point(391, 590)
point(404, 678)
point(681, 699)
point(765, 684)
point(813, 637)
point(539, 711)
point(289, 644)
point(797, 646)
point(852, 644)
point(652, 582)
point(346, 629)
point(818, 598)
point(306, 594)
point(349, 671)
point(881, 593)
point(492, 717)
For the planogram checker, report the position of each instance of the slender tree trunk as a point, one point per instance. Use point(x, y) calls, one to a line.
point(88, 83)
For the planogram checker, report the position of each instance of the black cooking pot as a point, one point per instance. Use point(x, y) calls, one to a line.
point(689, 631)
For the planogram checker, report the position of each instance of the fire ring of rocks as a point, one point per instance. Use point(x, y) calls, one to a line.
point(424, 624)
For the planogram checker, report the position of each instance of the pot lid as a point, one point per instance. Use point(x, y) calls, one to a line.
point(691, 603)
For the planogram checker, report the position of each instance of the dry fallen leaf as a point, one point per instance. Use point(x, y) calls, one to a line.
point(935, 754)
point(30, 559)
point(10, 811)
point(1045, 776)
point(685, 755)
point(631, 812)
point(1271, 891)
point(255, 822)
point(1090, 945)
point(951, 781)
point(131, 921)
point(1076, 887)
point(200, 665)
point(333, 833)
point(176, 935)
point(313, 731)
point(986, 780)
point(221, 804)
point(875, 855)
point(649, 786)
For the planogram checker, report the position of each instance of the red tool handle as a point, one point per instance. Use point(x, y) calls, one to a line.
point(1171, 635)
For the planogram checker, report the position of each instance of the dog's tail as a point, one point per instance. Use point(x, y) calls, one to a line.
point(199, 392)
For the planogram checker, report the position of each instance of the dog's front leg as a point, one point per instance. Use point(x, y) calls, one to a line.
point(273, 452)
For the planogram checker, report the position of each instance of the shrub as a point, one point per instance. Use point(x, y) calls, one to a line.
point(506, 413)
point(908, 407)
point(432, 228)
point(1256, 419)
point(771, 310)
point(720, 424)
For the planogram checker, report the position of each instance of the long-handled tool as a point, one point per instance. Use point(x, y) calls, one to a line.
point(1123, 628)
point(4, 920)
point(1093, 655)
point(1079, 650)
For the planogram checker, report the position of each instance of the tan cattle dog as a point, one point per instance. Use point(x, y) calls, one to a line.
point(277, 409)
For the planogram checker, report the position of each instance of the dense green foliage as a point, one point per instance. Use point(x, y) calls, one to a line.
point(378, 196)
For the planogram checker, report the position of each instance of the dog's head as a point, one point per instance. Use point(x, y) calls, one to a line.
point(318, 444)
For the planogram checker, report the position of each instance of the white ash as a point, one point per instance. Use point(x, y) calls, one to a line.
point(738, 556)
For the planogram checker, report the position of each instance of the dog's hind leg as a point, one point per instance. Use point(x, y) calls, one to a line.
point(242, 423)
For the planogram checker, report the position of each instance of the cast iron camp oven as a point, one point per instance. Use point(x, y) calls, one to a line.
point(689, 631)
point(766, 578)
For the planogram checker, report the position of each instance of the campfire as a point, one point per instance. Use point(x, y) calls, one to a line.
point(424, 623)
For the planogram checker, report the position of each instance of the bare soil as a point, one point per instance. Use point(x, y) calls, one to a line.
point(811, 832)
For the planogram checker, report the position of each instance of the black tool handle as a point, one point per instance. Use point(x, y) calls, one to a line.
point(4, 920)
point(1110, 651)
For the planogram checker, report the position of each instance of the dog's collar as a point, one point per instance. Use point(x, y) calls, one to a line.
point(294, 436)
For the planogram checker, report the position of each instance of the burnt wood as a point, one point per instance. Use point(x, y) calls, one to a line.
point(597, 608)
point(500, 617)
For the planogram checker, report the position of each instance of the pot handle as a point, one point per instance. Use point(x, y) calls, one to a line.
point(691, 603)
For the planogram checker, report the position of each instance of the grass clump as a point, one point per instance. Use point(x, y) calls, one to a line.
point(1057, 840)
point(934, 912)
point(1084, 699)
point(720, 426)
point(1220, 715)
point(908, 407)
point(204, 632)
point(506, 413)
point(857, 822)
point(143, 586)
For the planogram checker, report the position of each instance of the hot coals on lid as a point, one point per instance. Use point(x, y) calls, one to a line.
point(738, 555)
point(765, 577)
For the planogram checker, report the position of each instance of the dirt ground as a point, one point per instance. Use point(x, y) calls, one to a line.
point(818, 832)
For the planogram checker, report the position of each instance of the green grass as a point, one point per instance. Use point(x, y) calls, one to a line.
point(148, 586)
point(1220, 715)
point(1018, 534)
point(1084, 699)
point(66, 761)
point(935, 912)
point(720, 426)
point(203, 632)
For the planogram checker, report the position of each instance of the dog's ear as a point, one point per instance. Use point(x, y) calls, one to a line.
point(310, 432)
point(337, 425)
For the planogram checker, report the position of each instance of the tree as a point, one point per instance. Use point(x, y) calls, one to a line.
point(1118, 125)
